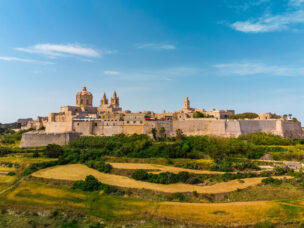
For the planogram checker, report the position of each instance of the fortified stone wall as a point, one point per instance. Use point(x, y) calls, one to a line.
point(291, 129)
point(36, 139)
point(253, 126)
point(223, 128)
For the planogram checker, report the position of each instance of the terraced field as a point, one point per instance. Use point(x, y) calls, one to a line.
point(120, 208)
point(79, 172)
point(24, 160)
point(155, 168)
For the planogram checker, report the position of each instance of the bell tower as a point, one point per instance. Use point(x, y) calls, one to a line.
point(104, 100)
point(187, 104)
point(115, 100)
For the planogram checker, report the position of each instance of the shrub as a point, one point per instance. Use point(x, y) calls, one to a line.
point(89, 184)
point(270, 180)
point(92, 184)
point(11, 173)
point(140, 175)
point(53, 151)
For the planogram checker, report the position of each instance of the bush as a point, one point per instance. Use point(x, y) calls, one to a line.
point(92, 184)
point(36, 166)
point(101, 166)
point(11, 173)
point(53, 151)
point(267, 139)
point(140, 175)
point(89, 184)
point(270, 180)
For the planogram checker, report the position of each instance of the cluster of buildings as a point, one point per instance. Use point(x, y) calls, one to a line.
point(109, 119)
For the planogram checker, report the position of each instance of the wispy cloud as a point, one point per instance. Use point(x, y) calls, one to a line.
point(293, 16)
point(155, 46)
point(296, 2)
point(246, 69)
point(55, 50)
point(109, 72)
point(16, 59)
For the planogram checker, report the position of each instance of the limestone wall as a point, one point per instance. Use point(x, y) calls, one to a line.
point(223, 128)
point(253, 126)
point(291, 129)
point(58, 127)
point(36, 139)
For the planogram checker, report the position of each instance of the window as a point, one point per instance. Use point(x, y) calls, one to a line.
point(134, 121)
point(95, 124)
point(81, 101)
point(128, 121)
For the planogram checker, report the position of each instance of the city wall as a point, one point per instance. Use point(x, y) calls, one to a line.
point(223, 128)
point(63, 132)
point(36, 139)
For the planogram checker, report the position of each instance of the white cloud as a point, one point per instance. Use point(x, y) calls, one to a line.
point(244, 69)
point(270, 23)
point(108, 72)
point(16, 59)
point(293, 16)
point(156, 46)
point(55, 50)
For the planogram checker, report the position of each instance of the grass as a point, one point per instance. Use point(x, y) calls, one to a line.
point(159, 168)
point(119, 210)
point(4, 179)
point(32, 193)
point(79, 172)
point(180, 162)
point(7, 169)
point(24, 160)
point(264, 192)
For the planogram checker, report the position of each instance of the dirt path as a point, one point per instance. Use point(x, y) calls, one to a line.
point(79, 172)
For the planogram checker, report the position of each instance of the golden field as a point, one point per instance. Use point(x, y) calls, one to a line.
point(155, 168)
point(76, 172)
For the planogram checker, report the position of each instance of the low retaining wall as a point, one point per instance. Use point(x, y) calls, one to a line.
point(36, 139)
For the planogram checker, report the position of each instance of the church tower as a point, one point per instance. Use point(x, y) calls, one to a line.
point(186, 104)
point(104, 100)
point(84, 98)
point(115, 100)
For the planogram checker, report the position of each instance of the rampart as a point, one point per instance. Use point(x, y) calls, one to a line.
point(36, 139)
point(190, 127)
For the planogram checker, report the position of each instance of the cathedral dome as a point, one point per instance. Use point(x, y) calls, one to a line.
point(84, 98)
point(84, 92)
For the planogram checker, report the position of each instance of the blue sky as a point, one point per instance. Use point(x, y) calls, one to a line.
point(224, 54)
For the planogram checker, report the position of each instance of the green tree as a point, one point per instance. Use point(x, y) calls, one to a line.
point(162, 133)
point(154, 134)
point(179, 134)
point(53, 151)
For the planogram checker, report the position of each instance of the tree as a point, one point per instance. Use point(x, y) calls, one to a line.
point(285, 116)
point(290, 115)
point(246, 115)
point(162, 133)
point(179, 134)
point(198, 115)
point(154, 133)
point(53, 151)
